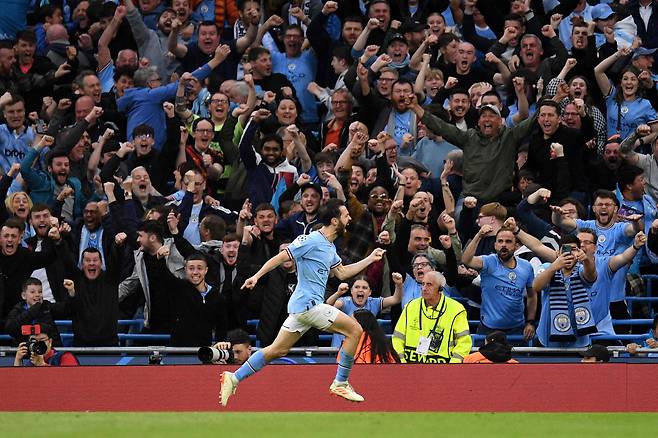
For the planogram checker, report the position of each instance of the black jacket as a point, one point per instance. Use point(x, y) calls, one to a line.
point(40, 313)
point(95, 309)
point(57, 270)
point(561, 175)
point(17, 268)
point(196, 316)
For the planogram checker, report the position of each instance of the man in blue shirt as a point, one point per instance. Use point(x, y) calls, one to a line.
point(503, 280)
point(300, 68)
point(143, 104)
point(15, 136)
point(315, 256)
point(613, 238)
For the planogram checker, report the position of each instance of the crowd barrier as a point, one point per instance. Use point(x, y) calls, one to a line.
point(67, 338)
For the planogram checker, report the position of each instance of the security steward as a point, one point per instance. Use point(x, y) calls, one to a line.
point(432, 328)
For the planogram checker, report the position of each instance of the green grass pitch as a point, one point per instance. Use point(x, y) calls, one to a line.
point(334, 425)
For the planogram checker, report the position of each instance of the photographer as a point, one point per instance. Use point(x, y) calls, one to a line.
point(237, 343)
point(50, 356)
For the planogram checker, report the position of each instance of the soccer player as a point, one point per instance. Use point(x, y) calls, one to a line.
point(315, 256)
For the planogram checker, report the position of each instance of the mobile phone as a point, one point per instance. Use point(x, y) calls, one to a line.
point(41, 127)
point(566, 249)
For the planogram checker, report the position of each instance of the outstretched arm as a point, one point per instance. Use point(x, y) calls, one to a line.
point(269, 265)
point(343, 272)
point(620, 260)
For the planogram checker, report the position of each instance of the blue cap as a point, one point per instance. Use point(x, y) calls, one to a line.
point(641, 51)
point(601, 12)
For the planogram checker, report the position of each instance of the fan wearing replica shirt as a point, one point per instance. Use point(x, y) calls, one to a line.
point(503, 280)
point(613, 237)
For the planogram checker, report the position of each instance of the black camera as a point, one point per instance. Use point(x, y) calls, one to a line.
point(214, 355)
point(36, 347)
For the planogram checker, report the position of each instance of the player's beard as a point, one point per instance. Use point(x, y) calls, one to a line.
point(340, 230)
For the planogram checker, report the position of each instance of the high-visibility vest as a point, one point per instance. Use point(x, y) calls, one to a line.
point(448, 323)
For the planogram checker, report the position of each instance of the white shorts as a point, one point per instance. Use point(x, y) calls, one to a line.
point(320, 317)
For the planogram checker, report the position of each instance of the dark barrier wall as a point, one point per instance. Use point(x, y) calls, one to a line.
point(523, 387)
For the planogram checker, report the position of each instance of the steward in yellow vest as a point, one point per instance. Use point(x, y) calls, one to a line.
point(432, 328)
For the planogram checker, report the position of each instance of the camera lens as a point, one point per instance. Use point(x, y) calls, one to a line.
point(37, 348)
point(212, 355)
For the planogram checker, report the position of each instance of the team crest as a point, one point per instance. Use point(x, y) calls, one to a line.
point(583, 315)
point(601, 238)
point(512, 276)
point(562, 323)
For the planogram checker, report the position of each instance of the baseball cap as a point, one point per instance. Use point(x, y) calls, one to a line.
point(601, 12)
point(490, 107)
point(600, 352)
point(312, 186)
point(398, 37)
point(412, 25)
point(497, 336)
point(642, 51)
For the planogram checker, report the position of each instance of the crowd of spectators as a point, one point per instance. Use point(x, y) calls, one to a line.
point(156, 153)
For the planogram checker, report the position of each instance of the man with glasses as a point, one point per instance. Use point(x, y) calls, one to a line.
point(336, 129)
point(143, 103)
point(613, 236)
point(432, 328)
point(367, 223)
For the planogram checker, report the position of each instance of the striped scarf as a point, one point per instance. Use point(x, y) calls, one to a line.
point(562, 292)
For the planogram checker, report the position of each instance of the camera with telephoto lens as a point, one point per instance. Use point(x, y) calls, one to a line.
point(214, 355)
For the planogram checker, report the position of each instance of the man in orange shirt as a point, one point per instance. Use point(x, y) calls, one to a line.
point(495, 350)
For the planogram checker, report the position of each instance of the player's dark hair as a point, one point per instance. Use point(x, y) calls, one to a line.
point(329, 211)
point(381, 349)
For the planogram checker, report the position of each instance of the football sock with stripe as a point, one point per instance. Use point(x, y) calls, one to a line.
point(345, 363)
point(255, 363)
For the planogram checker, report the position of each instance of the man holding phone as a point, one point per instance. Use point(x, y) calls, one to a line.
point(613, 237)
